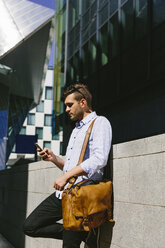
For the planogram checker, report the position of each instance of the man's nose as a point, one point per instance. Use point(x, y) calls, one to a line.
point(67, 109)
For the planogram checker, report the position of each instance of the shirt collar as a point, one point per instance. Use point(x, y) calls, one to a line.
point(87, 119)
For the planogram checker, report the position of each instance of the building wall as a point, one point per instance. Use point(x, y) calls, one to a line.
point(139, 198)
point(39, 120)
point(138, 194)
point(116, 48)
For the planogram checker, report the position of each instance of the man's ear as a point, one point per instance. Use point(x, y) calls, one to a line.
point(83, 102)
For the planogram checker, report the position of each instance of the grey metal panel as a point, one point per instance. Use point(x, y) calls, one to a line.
point(9, 34)
point(28, 61)
point(18, 20)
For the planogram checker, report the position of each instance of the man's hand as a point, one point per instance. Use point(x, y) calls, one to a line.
point(48, 155)
point(60, 182)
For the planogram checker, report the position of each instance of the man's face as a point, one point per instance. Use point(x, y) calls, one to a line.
point(74, 108)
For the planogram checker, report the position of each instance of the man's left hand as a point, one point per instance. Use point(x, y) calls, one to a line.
point(60, 183)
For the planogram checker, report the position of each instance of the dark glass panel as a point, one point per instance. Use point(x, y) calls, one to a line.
point(127, 21)
point(104, 44)
point(114, 36)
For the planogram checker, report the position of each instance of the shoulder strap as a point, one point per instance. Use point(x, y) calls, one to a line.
point(82, 154)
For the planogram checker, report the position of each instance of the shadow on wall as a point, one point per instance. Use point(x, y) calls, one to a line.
point(106, 233)
point(13, 204)
point(106, 230)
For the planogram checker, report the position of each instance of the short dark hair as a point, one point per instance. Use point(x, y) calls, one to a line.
point(80, 91)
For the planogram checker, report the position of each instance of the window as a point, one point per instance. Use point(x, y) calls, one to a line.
point(85, 60)
point(141, 18)
point(49, 93)
point(23, 130)
point(104, 44)
point(114, 36)
point(71, 70)
point(55, 137)
point(85, 5)
point(76, 65)
point(39, 131)
point(103, 15)
point(93, 54)
point(127, 21)
point(123, 1)
point(158, 11)
point(40, 107)
point(31, 119)
point(47, 144)
point(48, 120)
point(14, 148)
point(74, 13)
point(113, 6)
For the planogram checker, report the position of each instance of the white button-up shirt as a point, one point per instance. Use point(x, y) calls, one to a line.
point(97, 151)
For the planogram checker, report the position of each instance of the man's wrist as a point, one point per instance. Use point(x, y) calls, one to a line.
point(54, 159)
point(66, 176)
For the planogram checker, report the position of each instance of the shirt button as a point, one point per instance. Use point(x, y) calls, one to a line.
point(68, 158)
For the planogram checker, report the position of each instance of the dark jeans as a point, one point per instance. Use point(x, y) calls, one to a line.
point(42, 222)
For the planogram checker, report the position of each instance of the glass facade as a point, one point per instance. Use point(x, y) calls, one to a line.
point(114, 36)
point(141, 13)
point(61, 18)
point(117, 48)
point(127, 22)
point(60, 29)
point(93, 54)
point(158, 12)
point(104, 44)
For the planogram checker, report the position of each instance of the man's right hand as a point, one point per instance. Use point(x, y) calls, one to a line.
point(47, 154)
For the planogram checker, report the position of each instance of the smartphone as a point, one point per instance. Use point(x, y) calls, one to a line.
point(36, 144)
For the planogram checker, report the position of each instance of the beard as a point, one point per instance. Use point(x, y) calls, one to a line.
point(76, 117)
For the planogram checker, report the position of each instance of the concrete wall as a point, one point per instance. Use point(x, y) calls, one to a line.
point(139, 197)
point(139, 193)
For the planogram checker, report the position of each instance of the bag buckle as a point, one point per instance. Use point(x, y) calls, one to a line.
point(72, 180)
point(85, 221)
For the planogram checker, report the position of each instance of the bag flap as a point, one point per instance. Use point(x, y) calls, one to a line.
point(91, 199)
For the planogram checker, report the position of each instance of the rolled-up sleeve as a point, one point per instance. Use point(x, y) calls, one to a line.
point(98, 148)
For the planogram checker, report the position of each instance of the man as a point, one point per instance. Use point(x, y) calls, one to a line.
point(42, 222)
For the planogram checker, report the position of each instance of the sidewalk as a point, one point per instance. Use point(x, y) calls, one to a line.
point(4, 243)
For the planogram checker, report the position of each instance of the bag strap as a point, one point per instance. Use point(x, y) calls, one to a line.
point(82, 154)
